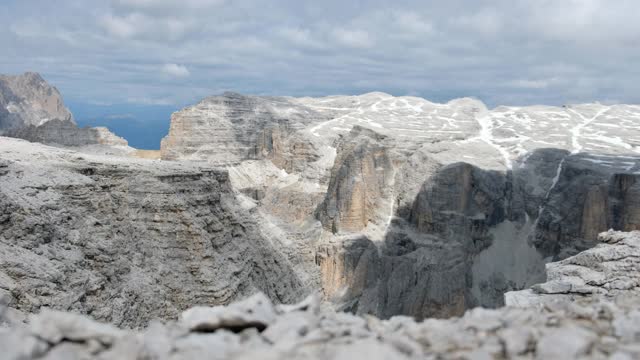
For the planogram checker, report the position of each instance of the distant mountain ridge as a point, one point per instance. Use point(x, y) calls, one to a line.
point(28, 99)
point(33, 110)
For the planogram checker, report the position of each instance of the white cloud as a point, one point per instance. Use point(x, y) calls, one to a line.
point(121, 27)
point(143, 27)
point(584, 21)
point(486, 22)
point(300, 37)
point(532, 84)
point(502, 51)
point(413, 23)
point(353, 38)
point(165, 6)
point(175, 70)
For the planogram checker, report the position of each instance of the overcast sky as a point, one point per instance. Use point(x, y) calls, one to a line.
point(177, 51)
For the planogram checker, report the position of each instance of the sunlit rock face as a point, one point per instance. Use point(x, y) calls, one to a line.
point(361, 178)
point(606, 272)
point(386, 205)
point(126, 240)
point(232, 127)
point(65, 133)
point(418, 208)
point(28, 99)
point(587, 310)
point(33, 110)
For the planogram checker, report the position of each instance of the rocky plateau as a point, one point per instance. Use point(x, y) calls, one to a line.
point(401, 228)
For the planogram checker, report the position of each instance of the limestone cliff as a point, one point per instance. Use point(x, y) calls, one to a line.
point(411, 194)
point(33, 110)
point(232, 127)
point(361, 178)
point(472, 234)
point(607, 272)
point(127, 241)
point(592, 194)
point(587, 311)
point(56, 132)
point(27, 100)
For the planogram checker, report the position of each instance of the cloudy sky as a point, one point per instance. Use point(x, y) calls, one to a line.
point(173, 52)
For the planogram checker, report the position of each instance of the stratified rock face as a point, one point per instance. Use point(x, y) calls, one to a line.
point(256, 328)
point(472, 234)
point(28, 100)
point(360, 179)
point(459, 202)
point(592, 193)
point(127, 241)
point(56, 132)
point(348, 268)
point(610, 271)
point(33, 110)
point(230, 128)
point(284, 148)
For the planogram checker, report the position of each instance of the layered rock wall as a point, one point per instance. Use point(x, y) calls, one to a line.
point(33, 110)
point(232, 127)
point(28, 100)
point(361, 178)
point(56, 132)
point(588, 310)
point(127, 241)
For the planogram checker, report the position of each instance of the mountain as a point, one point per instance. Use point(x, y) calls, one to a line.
point(33, 110)
point(27, 100)
point(380, 205)
point(578, 324)
point(418, 208)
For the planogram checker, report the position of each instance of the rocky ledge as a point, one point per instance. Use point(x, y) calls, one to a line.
point(604, 323)
point(610, 271)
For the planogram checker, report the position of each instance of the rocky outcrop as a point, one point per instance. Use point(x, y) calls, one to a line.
point(256, 328)
point(127, 241)
point(591, 194)
point(361, 178)
point(285, 148)
point(472, 234)
point(27, 100)
point(390, 205)
point(464, 201)
point(609, 271)
point(56, 132)
point(587, 309)
point(33, 110)
point(232, 127)
point(349, 268)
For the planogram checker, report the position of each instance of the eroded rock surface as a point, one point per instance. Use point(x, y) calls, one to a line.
point(256, 328)
point(33, 110)
point(609, 271)
point(28, 100)
point(232, 127)
point(390, 198)
point(127, 241)
point(361, 178)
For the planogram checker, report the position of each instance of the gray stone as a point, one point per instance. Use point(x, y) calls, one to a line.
point(32, 109)
point(127, 240)
point(256, 311)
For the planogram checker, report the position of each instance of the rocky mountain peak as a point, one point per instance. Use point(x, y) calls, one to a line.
point(27, 100)
point(32, 109)
point(383, 205)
